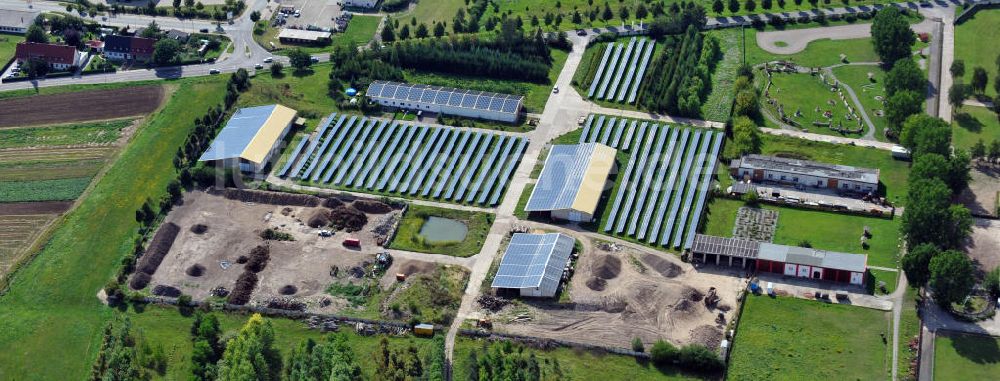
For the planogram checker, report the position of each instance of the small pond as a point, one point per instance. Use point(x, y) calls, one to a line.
point(437, 229)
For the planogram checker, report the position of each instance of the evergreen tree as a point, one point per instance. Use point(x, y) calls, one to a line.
point(251, 354)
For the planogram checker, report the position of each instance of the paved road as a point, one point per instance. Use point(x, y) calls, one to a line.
point(947, 57)
point(120, 20)
point(798, 39)
point(829, 138)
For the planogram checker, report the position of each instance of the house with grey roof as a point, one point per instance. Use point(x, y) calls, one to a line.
point(533, 264)
point(16, 21)
point(805, 173)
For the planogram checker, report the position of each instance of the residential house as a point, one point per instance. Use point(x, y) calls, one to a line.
point(125, 48)
point(59, 57)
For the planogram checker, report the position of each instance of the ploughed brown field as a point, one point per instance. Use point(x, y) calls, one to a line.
point(80, 106)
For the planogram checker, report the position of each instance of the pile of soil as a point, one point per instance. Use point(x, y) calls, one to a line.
point(319, 218)
point(167, 291)
point(195, 270)
point(242, 259)
point(664, 267)
point(199, 228)
point(140, 280)
point(348, 219)
point(607, 267)
point(707, 335)
point(244, 287)
point(258, 258)
point(371, 206)
point(285, 303)
point(158, 248)
point(271, 198)
point(597, 284)
point(288, 290)
point(332, 203)
point(413, 267)
point(692, 294)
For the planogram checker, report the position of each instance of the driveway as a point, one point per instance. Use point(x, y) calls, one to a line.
point(796, 40)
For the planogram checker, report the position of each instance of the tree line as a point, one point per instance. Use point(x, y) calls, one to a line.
point(680, 75)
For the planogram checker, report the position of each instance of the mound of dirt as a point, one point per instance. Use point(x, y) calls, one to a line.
point(684, 306)
point(371, 206)
point(348, 219)
point(692, 294)
point(199, 228)
point(288, 290)
point(319, 218)
point(665, 267)
point(332, 202)
point(140, 280)
point(195, 270)
point(413, 267)
point(242, 259)
point(597, 284)
point(167, 291)
point(607, 267)
point(706, 335)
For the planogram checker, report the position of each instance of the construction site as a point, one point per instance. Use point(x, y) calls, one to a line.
point(278, 250)
point(618, 293)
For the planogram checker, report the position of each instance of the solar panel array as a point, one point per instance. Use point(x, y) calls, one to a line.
point(432, 162)
point(621, 70)
point(446, 96)
point(665, 182)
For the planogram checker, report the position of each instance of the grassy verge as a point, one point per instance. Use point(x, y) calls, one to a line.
point(50, 310)
point(909, 331)
point(565, 363)
point(8, 43)
point(408, 235)
point(959, 356)
point(972, 124)
point(823, 230)
point(787, 338)
point(523, 202)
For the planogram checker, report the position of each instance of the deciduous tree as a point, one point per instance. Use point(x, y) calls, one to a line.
point(891, 36)
point(951, 277)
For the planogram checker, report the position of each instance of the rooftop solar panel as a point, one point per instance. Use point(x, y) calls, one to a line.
point(497, 104)
point(442, 97)
point(375, 89)
point(469, 101)
point(534, 261)
point(415, 93)
point(428, 96)
point(510, 105)
point(402, 92)
point(456, 99)
point(483, 103)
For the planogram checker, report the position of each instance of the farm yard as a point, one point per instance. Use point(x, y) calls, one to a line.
point(620, 293)
point(670, 176)
point(789, 338)
point(409, 160)
point(218, 252)
point(73, 106)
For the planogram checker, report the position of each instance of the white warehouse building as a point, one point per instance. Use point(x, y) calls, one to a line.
point(251, 137)
point(446, 100)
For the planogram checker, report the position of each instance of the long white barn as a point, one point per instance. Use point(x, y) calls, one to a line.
point(446, 100)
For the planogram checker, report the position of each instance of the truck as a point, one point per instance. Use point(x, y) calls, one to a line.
point(352, 242)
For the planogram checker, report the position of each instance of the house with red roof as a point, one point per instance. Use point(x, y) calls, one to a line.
point(59, 57)
point(122, 48)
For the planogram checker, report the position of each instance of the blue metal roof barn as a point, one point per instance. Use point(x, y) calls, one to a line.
point(534, 263)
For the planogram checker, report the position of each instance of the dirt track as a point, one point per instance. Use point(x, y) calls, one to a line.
point(80, 106)
point(24, 208)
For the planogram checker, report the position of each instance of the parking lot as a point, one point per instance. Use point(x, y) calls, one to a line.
point(320, 13)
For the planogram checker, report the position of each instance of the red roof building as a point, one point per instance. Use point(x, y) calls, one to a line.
point(59, 56)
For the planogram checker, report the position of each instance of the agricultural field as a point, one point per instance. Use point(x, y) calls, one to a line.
point(973, 45)
point(412, 236)
point(971, 124)
point(359, 32)
point(959, 356)
point(18, 232)
point(668, 166)
point(72, 316)
point(823, 230)
point(789, 338)
point(77, 106)
point(570, 363)
point(408, 160)
point(94, 133)
point(168, 328)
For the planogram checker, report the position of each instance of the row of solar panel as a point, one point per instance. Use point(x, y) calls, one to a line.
point(612, 82)
point(669, 166)
point(441, 96)
point(374, 155)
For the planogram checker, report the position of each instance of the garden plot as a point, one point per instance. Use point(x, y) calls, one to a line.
point(755, 224)
point(409, 160)
point(17, 233)
point(219, 234)
point(620, 293)
point(621, 70)
point(665, 181)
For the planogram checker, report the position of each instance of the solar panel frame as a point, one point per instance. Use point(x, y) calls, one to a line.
point(612, 65)
point(416, 93)
point(647, 187)
point(315, 141)
point(596, 130)
point(457, 174)
point(434, 165)
point(665, 201)
point(586, 128)
point(642, 72)
point(668, 226)
point(395, 149)
point(371, 154)
point(497, 167)
point(485, 169)
point(341, 130)
point(294, 156)
point(351, 146)
point(633, 63)
point(606, 130)
point(469, 101)
point(511, 105)
point(628, 139)
point(505, 176)
point(413, 166)
point(703, 192)
point(656, 188)
point(375, 89)
point(625, 59)
point(618, 133)
point(473, 167)
point(620, 195)
point(640, 167)
point(600, 70)
point(413, 148)
point(692, 189)
point(450, 160)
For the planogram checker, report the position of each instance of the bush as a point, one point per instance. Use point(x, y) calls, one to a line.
point(700, 358)
point(637, 345)
point(663, 353)
point(992, 282)
point(274, 235)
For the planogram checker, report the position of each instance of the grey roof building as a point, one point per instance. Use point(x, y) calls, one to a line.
point(804, 172)
point(793, 261)
point(534, 263)
point(16, 21)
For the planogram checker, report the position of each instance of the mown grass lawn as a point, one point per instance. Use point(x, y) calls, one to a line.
point(973, 123)
point(975, 43)
point(959, 356)
point(50, 311)
point(819, 53)
point(857, 78)
point(893, 174)
point(797, 339)
point(305, 91)
point(719, 102)
point(408, 235)
point(811, 98)
point(573, 364)
point(823, 230)
point(168, 328)
point(8, 43)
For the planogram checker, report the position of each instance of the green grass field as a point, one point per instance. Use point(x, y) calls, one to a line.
point(824, 230)
point(960, 356)
point(572, 363)
point(796, 339)
point(84, 133)
point(893, 173)
point(168, 328)
point(8, 43)
point(819, 53)
point(50, 310)
point(809, 96)
point(719, 102)
point(857, 78)
point(359, 32)
point(975, 43)
point(971, 124)
point(304, 91)
point(408, 237)
point(909, 329)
